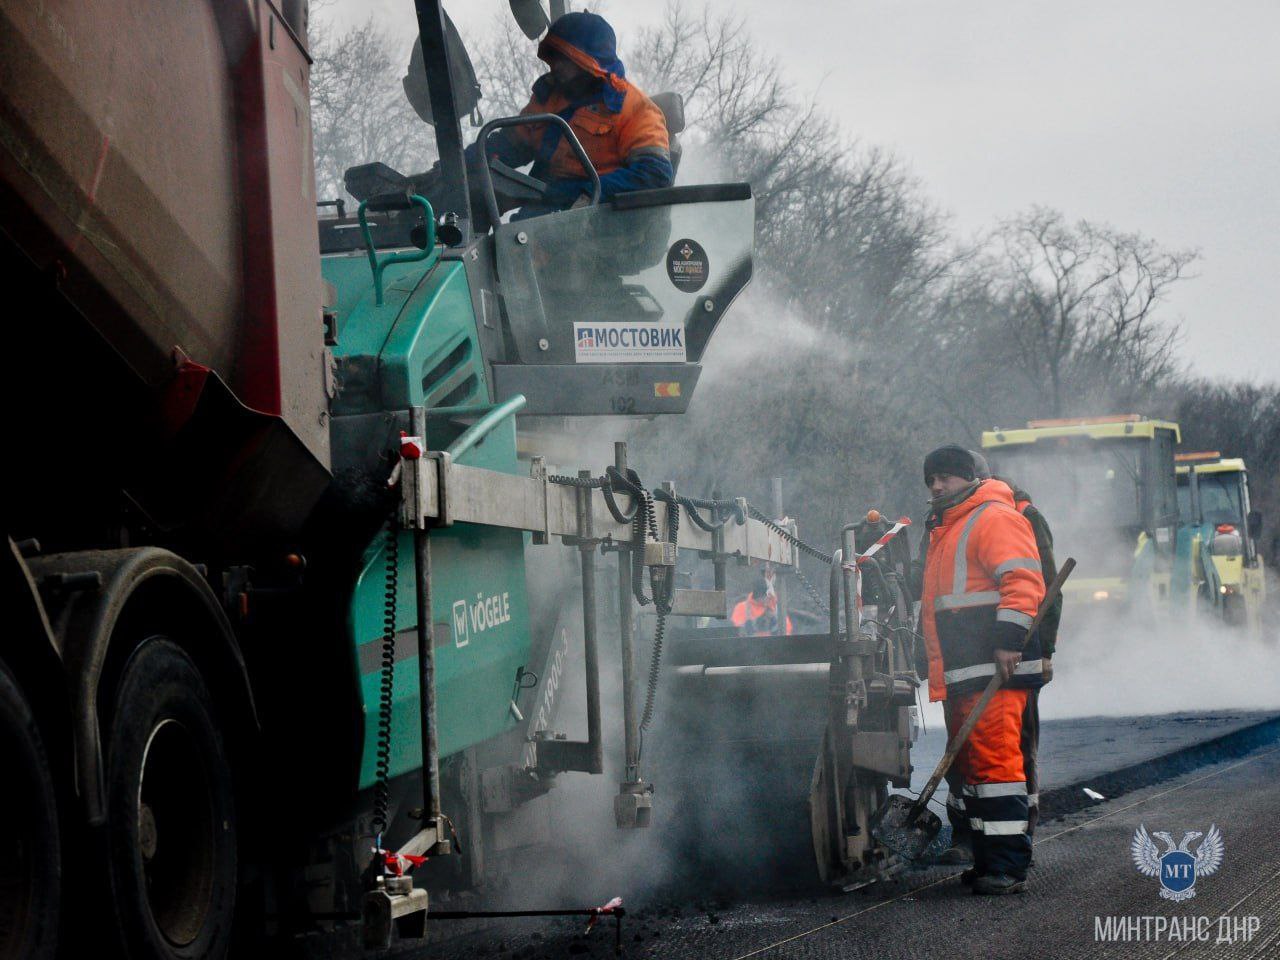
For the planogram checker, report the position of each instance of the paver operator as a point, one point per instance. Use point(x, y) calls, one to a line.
point(622, 130)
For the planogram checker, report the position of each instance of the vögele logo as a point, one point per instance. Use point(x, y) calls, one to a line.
point(1177, 867)
point(471, 618)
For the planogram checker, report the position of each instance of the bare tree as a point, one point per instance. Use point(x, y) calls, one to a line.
point(848, 253)
point(359, 112)
point(730, 89)
point(1081, 304)
point(506, 65)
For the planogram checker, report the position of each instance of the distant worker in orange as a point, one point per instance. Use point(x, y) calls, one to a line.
point(982, 586)
point(757, 615)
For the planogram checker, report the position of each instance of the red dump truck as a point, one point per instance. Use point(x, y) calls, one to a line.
point(167, 409)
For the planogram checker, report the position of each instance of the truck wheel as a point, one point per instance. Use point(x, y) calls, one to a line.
point(1233, 610)
point(171, 824)
point(30, 867)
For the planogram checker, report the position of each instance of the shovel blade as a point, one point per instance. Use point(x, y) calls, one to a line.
point(892, 829)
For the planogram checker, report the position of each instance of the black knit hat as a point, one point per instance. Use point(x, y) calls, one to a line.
point(952, 459)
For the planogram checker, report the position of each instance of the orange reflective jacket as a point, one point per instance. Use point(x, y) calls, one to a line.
point(982, 588)
point(610, 139)
point(747, 611)
point(623, 132)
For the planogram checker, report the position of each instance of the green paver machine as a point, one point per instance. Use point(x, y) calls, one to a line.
point(462, 340)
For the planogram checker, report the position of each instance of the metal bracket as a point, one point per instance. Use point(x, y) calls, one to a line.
point(659, 553)
point(422, 491)
point(884, 752)
point(633, 806)
point(436, 494)
point(538, 471)
point(856, 692)
point(398, 901)
point(699, 603)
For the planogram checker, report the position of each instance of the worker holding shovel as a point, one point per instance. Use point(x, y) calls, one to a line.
point(982, 588)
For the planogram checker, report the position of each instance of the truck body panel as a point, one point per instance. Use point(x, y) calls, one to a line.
point(196, 235)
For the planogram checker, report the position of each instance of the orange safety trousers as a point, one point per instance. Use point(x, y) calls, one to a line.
point(993, 803)
point(993, 752)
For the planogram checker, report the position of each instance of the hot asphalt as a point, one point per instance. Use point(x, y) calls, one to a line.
point(1083, 874)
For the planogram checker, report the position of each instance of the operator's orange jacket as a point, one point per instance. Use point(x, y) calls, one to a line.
point(982, 588)
point(623, 132)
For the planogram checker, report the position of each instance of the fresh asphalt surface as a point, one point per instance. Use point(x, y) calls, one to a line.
point(1082, 871)
point(1073, 750)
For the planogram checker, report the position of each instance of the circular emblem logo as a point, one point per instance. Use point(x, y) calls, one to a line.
point(687, 265)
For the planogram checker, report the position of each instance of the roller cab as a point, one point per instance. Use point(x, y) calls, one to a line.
point(1218, 556)
point(1106, 484)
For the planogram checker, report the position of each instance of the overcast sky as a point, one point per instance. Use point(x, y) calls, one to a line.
point(1157, 116)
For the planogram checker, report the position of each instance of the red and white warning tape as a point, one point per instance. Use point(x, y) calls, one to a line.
point(397, 864)
point(875, 548)
point(855, 565)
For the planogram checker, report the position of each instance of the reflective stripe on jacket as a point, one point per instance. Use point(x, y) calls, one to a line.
point(982, 588)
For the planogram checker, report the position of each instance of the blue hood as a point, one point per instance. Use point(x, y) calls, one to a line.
point(588, 41)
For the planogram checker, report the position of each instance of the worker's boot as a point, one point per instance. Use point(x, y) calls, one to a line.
point(998, 884)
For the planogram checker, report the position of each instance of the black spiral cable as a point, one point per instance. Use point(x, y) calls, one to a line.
point(722, 511)
point(643, 523)
point(565, 480)
point(640, 515)
point(382, 766)
point(814, 595)
point(662, 600)
point(644, 526)
point(790, 537)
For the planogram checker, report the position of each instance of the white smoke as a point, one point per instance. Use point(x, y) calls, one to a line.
point(1132, 668)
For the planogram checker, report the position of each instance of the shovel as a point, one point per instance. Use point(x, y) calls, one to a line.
point(906, 827)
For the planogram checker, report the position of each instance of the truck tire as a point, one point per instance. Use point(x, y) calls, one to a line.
point(30, 864)
point(1234, 613)
point(171, 822)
